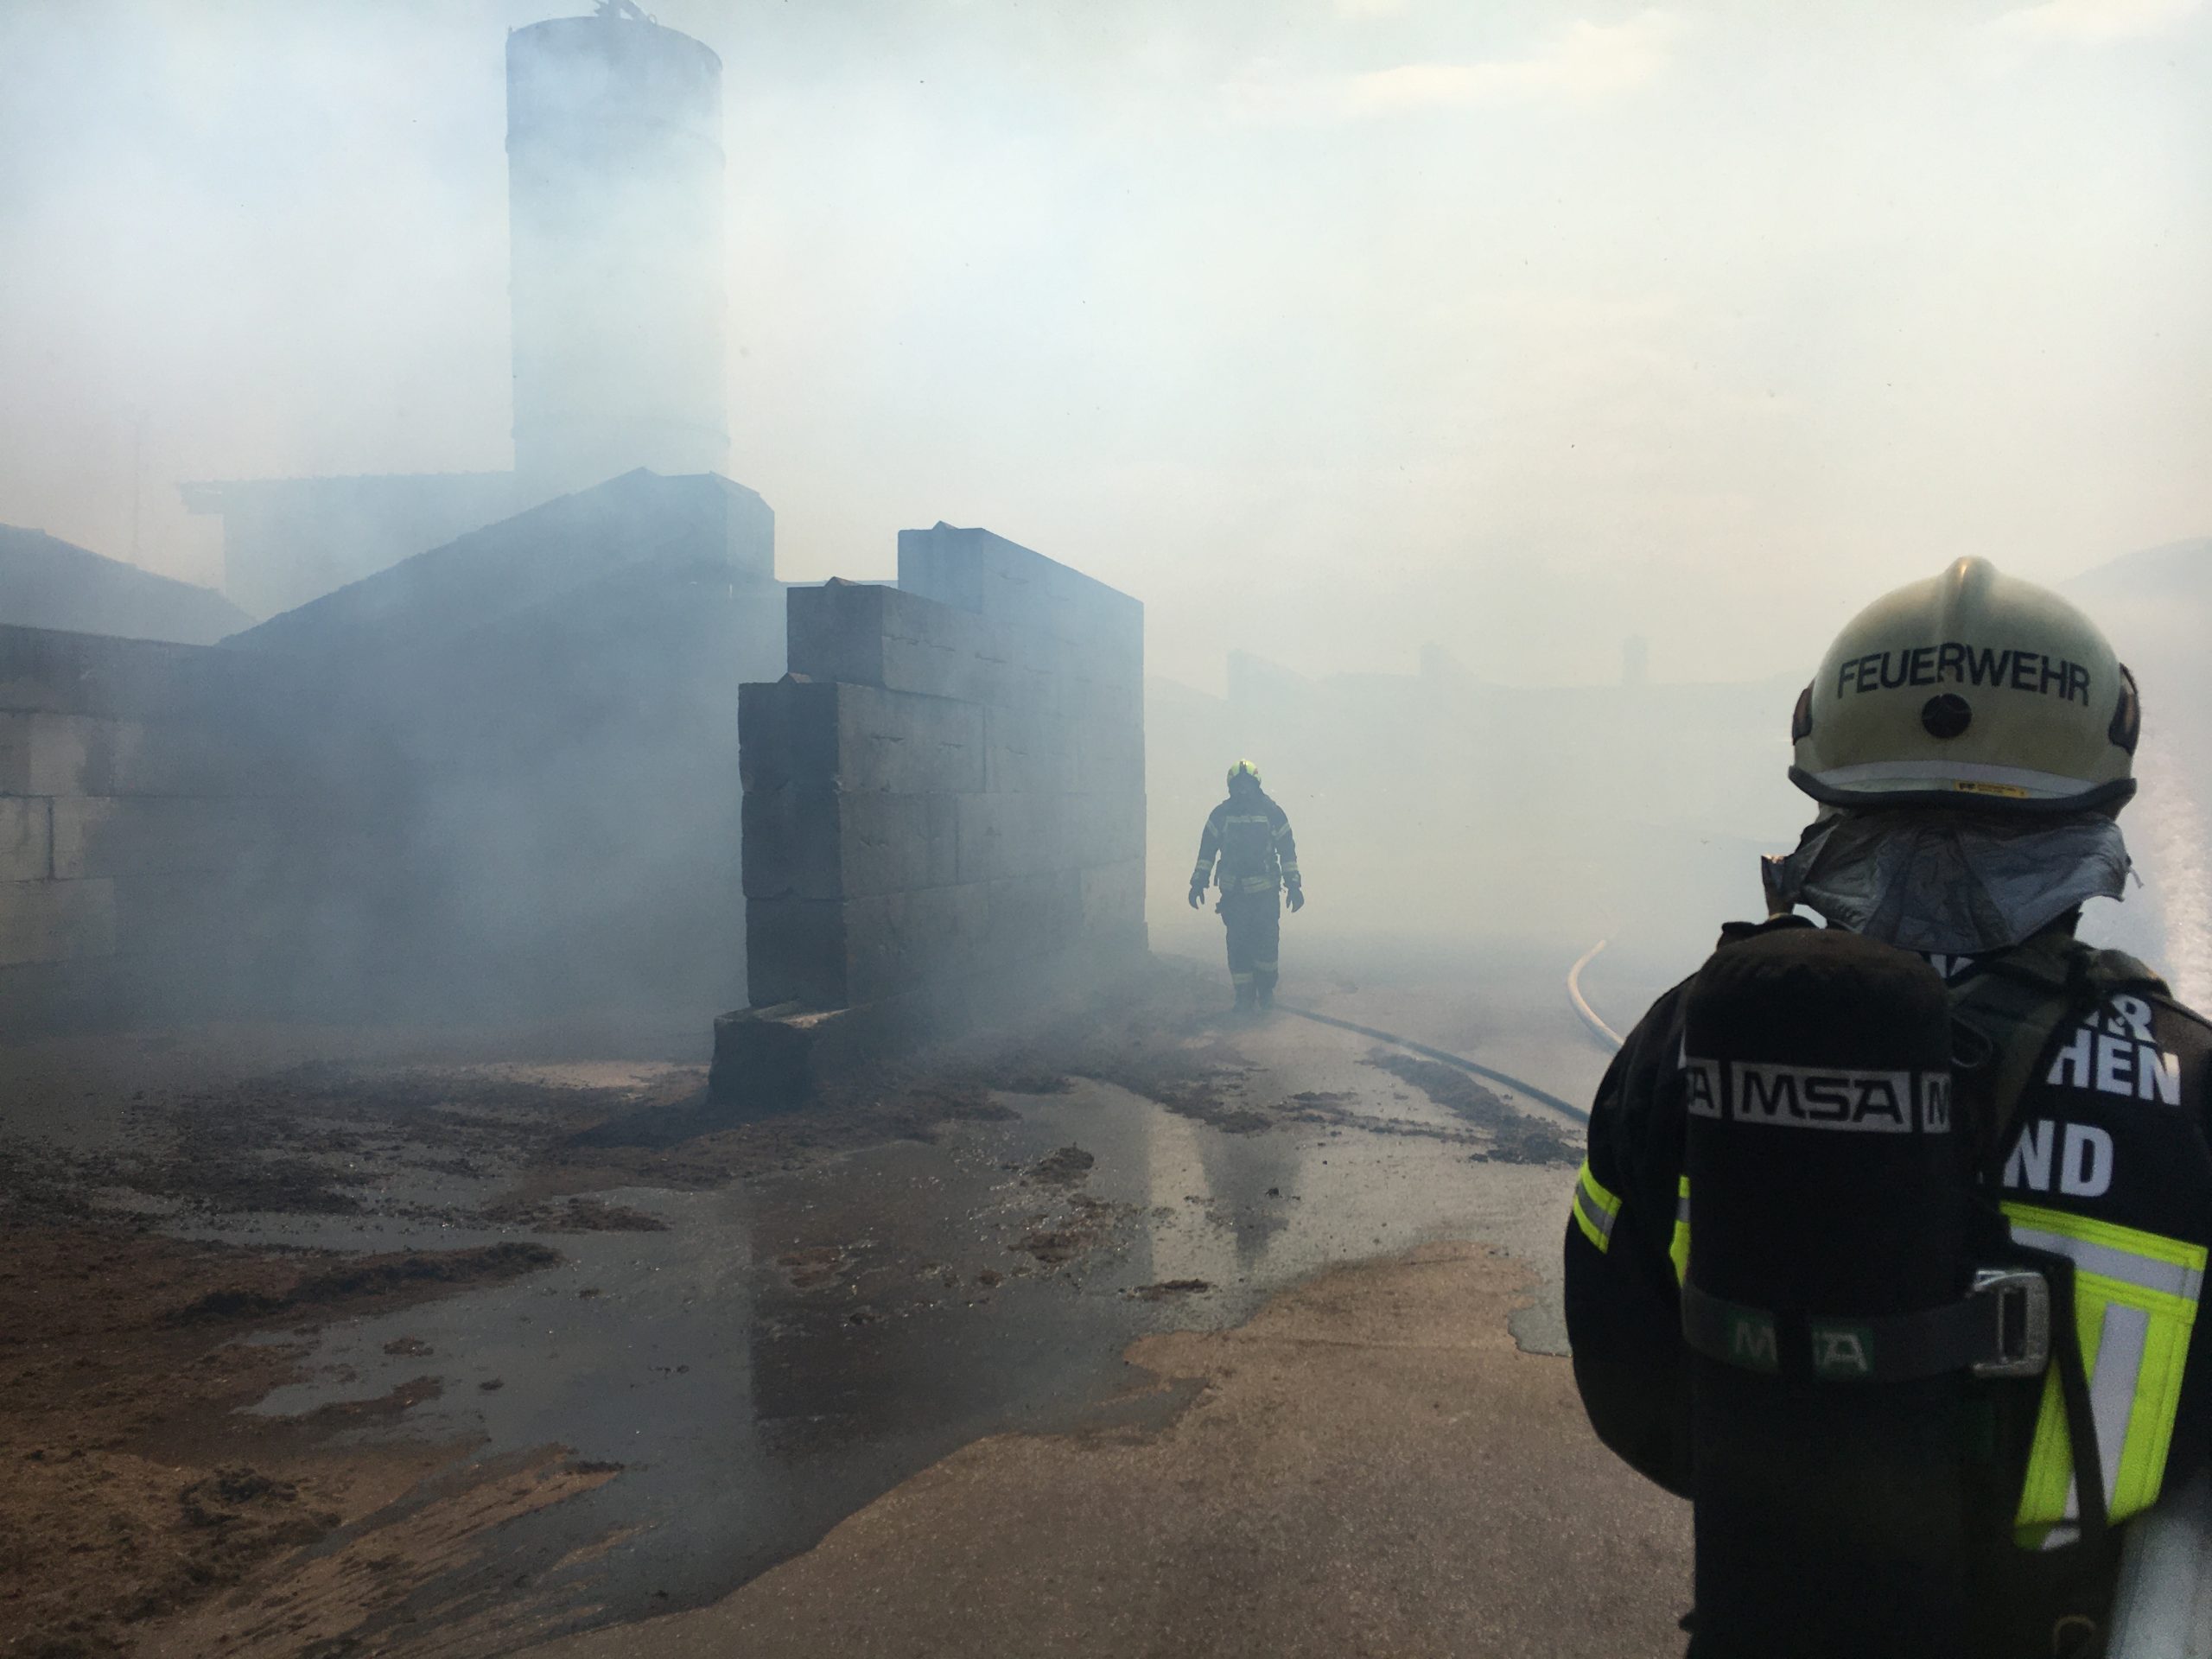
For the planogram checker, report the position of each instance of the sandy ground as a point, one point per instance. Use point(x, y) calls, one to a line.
point(135, 1490)
point(1371, 1466)
point(138, 1494)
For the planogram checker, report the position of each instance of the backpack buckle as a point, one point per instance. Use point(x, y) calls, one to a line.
point(2019, 1300)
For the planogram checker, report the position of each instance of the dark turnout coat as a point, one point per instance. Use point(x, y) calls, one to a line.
point(1247, 846)
point(2107, 1161)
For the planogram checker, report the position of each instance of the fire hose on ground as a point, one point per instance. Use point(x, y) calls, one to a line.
point(1604, 1032)
point(1427, 1052)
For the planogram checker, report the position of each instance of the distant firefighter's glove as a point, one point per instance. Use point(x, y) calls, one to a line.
point(1198, 895)
point(1297, 895)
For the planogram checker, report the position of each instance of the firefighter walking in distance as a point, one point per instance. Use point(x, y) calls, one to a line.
point(1890, 1243)
point(1247, 848)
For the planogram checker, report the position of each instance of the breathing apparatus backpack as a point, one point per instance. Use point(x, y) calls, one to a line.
point(1851, 1282)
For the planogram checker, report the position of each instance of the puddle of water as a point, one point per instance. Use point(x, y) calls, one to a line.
point(790, 1348)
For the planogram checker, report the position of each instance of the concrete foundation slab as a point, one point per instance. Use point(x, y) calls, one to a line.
point(777, 1058)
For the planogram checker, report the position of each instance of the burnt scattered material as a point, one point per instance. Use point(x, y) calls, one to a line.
point(1054, 1241)
point(1169, 1287)
point(1515, 1137)
point(1062, 1168)
point(372, 1277)
point(580, 1215)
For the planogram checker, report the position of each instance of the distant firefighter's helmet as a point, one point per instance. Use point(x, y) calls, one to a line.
point(1972, 689)
point(1243, 769)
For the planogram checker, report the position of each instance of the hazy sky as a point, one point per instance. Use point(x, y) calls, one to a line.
point(1325, 328)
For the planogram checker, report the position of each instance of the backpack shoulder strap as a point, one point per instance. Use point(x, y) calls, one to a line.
point(2006, 1017)
point(2115, 970)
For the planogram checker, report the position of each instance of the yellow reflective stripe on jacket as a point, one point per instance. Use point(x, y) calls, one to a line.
point(1209, 849)
point(1678, 1252)
point(2135, 1296)
point(1595, 1209)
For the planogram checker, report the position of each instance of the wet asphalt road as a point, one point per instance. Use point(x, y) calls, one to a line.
point(1369, 1467)
point(1387, 1458)
point(793, 1351)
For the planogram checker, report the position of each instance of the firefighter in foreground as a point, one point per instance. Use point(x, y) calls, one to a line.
point(1250, 835)
point(1888, 1250)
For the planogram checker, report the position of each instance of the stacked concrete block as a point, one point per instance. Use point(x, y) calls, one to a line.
point(946, 794)
point(26, 839)
point(142, 793)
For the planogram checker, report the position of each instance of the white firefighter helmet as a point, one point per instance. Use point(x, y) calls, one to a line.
point(1971, 689)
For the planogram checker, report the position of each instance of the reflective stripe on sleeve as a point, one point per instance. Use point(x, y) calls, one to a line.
point(2135, 1298)
point(1678, 1250)
point(1595, 1209)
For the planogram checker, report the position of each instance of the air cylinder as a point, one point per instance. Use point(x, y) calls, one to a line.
point(1829, 1197)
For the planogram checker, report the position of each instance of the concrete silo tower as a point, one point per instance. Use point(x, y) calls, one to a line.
point(614, 202)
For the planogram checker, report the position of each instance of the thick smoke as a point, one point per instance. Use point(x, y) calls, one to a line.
point(1331, 330)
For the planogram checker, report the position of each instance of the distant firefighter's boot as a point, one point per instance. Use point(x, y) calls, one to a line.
point(1245, 996)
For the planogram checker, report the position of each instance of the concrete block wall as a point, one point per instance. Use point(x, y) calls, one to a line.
point(951, 782)
point(143, 797)
point(500, 781)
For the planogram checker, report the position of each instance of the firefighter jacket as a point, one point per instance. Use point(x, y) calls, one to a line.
point(1250, 836)
point(2106, 1160)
